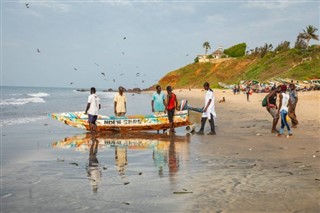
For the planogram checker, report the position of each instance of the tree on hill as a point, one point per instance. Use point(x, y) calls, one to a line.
point(237, 50)
point(300, 43)
point(310, 33)
point(283, 46)
point(207, 46)
point(265, 49)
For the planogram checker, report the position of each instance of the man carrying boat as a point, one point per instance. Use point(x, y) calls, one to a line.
point(172, 104)
point(208, 111)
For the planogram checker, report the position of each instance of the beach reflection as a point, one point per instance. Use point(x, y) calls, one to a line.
point(121, 158)
point(93, 169)
point(167, 153)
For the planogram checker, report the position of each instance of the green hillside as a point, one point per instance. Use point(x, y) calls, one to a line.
point(293, 63)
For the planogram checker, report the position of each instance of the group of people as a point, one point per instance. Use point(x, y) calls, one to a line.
point(159, 104)
point(94, 105)
point(288, 99)
point(162, 104)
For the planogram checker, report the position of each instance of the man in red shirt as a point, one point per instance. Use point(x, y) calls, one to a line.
point(172, 104)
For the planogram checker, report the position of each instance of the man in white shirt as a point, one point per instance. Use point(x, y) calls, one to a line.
point(208, 111)
point(92, 109)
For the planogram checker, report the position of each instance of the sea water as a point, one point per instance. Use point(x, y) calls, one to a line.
point(46, 166)
point(22, 105)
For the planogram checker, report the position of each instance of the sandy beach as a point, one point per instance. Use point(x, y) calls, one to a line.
point(244, 168)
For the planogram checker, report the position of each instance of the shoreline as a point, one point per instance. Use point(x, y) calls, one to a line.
point(244, 168)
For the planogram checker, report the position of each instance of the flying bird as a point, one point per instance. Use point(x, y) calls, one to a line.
point(96, 64)
point(75, 69)
point(103, 74)
point(71, 82)
point(121, 74)
point(114, 80)
point(122, 53)
point(124, 38)
point(142, 81)
point(27, 5)
point(187, 55)
point(38, 50)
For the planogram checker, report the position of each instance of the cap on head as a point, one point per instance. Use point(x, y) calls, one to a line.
point(283, 88)
point(169, 88)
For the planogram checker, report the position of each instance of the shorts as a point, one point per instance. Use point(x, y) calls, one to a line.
point(274, 113)
point(170, 115)
point(92, 119)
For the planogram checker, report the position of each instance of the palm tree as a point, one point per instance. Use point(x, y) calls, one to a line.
point(309, 34)
point(206, 45)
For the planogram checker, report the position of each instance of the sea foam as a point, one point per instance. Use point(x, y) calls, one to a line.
point(32, 98)
point(14, 121)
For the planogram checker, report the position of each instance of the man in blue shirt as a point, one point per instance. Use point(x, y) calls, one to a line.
point(158, 101)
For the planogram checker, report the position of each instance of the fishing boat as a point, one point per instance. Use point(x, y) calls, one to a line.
point(124, 123)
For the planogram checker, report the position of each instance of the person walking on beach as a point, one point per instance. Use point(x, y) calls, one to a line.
point(283, 110)
point(208, 111)
point(92, 109)
point(272, 107)
point(293, 103)
point(158, 101)
point(120, 103)
point(172, 104)
point(238, 89)
point(248, 88)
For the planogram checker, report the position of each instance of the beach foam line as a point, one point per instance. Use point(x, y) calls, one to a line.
point(21, 101)
point(33, 98)
point(15, 121)
point(38, 94)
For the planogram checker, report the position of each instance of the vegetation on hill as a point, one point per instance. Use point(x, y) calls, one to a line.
point(262, 63)
point(236, 50)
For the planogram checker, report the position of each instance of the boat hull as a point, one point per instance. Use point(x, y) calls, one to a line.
point(124, 123)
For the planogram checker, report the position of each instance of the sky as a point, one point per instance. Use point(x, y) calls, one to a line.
point(107, 44)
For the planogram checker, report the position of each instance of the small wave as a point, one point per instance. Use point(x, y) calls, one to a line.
point(31, 98)
point(15, 121)
point(39, 94)
point(21, 101)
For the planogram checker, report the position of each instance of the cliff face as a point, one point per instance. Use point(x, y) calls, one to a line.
point(294, 64)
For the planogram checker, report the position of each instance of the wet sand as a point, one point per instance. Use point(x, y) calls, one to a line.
point(245, 168)
point(49, 167)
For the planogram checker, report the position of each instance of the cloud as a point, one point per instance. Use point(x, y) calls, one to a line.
point(275, 4)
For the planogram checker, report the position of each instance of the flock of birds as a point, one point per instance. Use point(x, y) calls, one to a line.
point(102, 73)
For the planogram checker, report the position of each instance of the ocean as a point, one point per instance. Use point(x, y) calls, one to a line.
point(22, 105)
